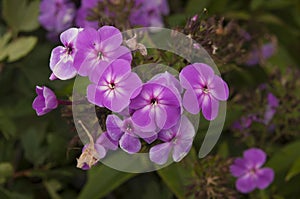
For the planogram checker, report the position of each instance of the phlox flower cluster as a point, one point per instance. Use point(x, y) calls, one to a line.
point(151, 112)
point(58, 15)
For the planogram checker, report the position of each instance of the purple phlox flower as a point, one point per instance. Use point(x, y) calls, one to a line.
point(249, 172)
point(204, 90)
point(126, 133)
point(156, 107)
point(149, 13)
point(62, 57)
point(93, 152)
point(113, 87)
point(56, 15)
point(94, 47)
point(83, 13)
point(245, 122)
point(178, 140)
point(261, 54)
point(45, 102)
point(273, 103)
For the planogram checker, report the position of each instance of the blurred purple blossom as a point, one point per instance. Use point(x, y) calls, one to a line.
point(273, 103)
point(56, 16)
point(261, 54)
point(62, 57)
point(149, 13)
point(96, 47)
point(45, 101)
point(113, 87)
point(178, 140)
point(204, 90)
point(84, 11)
point(249, 172)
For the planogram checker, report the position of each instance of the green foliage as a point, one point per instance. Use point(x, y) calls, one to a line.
point(21, 15)
point(102, 180)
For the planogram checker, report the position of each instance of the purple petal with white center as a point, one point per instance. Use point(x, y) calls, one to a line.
point(238, 168)
point(160, 116)
point(218, 88)
point(255, 157)
point(160, 153)
point(246, 183)
point(210, 107)
point(265, 176)
point(85, 60)
point(168, 80)
point(130, 144)
point(113, 124)
point(172, 116)
point(111, 38)
point(142, 118)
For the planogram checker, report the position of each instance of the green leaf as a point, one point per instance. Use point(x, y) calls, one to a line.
point(7, 126)
point(3, 42)
point(6, 169)
point(53, 186)
point(295, 170)
point(178, 175)
point(21, 15)
point(256, 4)
point(196, 6)
point(20, 47)
point(102, 180)
point(32, 140)
point(284, 158)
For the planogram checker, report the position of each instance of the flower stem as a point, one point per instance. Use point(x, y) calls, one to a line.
point(64, 102)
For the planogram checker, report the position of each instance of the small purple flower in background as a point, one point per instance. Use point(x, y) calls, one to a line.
point(249, 172)
point(94, 47)
point(56, 16)
point(204, 90)
point(62, 57)
point(258, 55)
point(178, 140)
point(83, 13)
point(113, 87)
point(156, 107)
point(149, 13)
point(93, 152)
point(125, 132)
point(273, 103)
point(45, 102)
point(245, 122)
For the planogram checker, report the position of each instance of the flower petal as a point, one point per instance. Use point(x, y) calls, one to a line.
point(181, 149)
point(160, 153)
point(130, 144)
point(210, 107)
point(190, 102)
point(107, 142)
point(189, 77)
point(246, 183)
point(111, 38)
point(238, 168)
point(218, 88)
point(265, 177)
point(113, 124)
point(255, 157)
